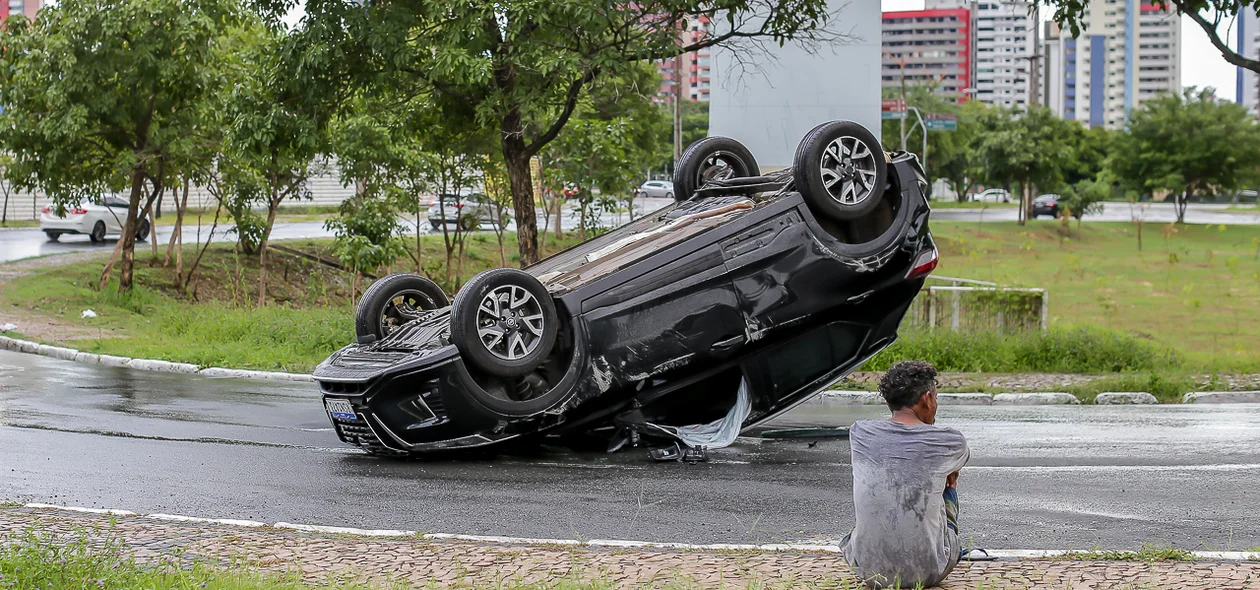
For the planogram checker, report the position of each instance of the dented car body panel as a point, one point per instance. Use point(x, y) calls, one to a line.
point(661, 320)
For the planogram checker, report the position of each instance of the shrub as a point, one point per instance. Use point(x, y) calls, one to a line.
point(1060, 350)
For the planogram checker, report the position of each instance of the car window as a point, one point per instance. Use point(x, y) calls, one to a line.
point(115, 202)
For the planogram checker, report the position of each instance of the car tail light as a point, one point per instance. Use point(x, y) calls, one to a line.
point(79, 211)
point(47, 209)
point(924, 264)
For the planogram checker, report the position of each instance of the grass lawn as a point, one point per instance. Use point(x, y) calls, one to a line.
point(1193, 288)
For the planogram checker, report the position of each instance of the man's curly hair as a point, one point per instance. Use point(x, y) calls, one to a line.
point(905, 381)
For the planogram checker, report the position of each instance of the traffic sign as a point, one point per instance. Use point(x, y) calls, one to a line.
point(940, 122)
point(893, 105)
point(894, 115)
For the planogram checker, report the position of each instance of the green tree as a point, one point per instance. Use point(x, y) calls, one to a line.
point(518, 67)
point(1025, 147)
point(366, 233)
point(1088, 150)
point(100, 96)
point(276, 136)
point(1189, 144)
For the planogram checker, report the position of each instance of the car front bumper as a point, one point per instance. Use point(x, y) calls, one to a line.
point(417, 406)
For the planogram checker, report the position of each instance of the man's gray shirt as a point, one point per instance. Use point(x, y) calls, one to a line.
point(899, 472)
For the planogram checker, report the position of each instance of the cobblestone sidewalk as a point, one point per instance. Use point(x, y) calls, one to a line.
point(422, 562)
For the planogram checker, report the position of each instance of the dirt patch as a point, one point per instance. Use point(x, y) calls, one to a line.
point(34, 323)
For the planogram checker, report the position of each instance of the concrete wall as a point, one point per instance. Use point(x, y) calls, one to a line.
point(771, 110)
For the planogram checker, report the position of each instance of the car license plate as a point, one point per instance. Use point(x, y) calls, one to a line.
point(340, 408)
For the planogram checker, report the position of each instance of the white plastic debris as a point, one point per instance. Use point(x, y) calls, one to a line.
point(719, 433)
point(8, 327)
point(87, 313)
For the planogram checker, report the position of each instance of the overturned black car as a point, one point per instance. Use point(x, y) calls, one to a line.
point(744, 298)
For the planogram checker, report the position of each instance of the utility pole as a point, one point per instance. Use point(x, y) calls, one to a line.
point(678, 95)
point(1034, 61)
point(901, 67)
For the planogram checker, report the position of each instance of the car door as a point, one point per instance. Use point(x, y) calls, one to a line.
point(682, 312)
point(115, 215)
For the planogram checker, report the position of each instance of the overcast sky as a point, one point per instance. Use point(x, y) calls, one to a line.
point(1201, 64)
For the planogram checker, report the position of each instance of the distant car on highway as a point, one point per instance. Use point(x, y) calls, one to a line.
point(996, 195)
point(1045, 205)
point(99, 219)
point(655, 188)
point(471, 211)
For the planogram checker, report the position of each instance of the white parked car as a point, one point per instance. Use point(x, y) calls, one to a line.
point(97, 220)
point(656, 188)
point(994, 195)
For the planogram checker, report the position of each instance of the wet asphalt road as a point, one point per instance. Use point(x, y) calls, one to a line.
point(1040, 477)
point(1196, 213)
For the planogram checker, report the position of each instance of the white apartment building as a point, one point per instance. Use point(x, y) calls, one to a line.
point(1004, 46)
point(1127, 52)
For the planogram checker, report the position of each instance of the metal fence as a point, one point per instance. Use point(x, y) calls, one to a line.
point(964, 305)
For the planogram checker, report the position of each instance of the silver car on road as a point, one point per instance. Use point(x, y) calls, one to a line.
point(655, 188)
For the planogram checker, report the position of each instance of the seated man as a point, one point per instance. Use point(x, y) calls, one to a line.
point(904, 497)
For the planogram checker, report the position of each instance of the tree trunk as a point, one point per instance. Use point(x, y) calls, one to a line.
point(1181, 202)
point(1139, 224)
point(4, 213)
point(522, 186)
point(557, 205)
point(153, 241)
point(197, 261)
point(177, 234)
point(419, 246)
point(127, 243)
point(272, 205)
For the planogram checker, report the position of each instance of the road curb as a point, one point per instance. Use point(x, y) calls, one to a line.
point(1221, 397)
point(1035, 399)
point(1120, 398)
point(161, 366)
point(1006, 555)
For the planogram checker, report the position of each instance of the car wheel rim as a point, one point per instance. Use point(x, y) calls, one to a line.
point(510, 322)
point(720, 165)
point(848, 170)
point(400, 309)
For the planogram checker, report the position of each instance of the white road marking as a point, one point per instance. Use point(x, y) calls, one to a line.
point(358, 532)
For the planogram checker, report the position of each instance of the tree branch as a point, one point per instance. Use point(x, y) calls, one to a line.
point(1230, 55)
point(570, 104)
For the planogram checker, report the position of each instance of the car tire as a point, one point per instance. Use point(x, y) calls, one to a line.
point(437, 225)
point(669, 195)
point(142, 232)
point(469, 223)
point(98, 233)
point(393, 301)
point(711, 158)
point(53, 236)
point(841, 170)
point(504, 322)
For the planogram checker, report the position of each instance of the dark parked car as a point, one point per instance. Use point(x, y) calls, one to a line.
point(749, 292)
point(1045, 205)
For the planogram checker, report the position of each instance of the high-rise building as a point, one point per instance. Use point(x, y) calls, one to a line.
point(695, 65)
point(27, 7)
point(963, 49)
point(1004, 50)
point(929, 47)
point(1247, 92)
point(1127, 52)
